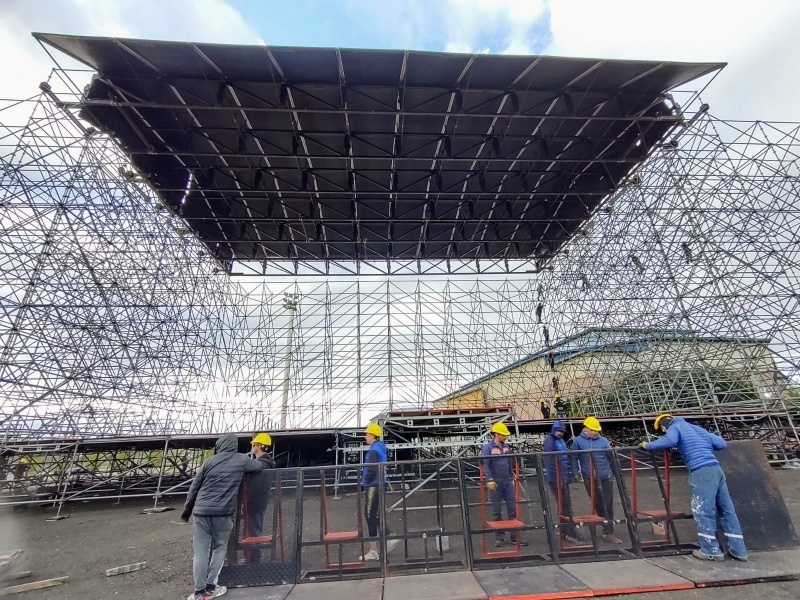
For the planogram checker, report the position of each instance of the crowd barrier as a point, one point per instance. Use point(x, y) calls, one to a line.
point(439, 515)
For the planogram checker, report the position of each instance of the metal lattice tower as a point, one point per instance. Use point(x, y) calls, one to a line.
point(115, 320)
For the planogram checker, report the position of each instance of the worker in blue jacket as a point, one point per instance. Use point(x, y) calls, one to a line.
point(498, 470)
point(711, 500)
point(377, 454)
point(602, 463)
point(566, 466)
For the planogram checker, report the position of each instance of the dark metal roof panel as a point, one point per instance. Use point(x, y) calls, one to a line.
point(341, 154)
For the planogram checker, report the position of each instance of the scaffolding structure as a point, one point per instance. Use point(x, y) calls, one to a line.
point(116, 319)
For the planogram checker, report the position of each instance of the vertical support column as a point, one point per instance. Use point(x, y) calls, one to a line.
point(358, 354)
point(465, 518)
point(298, 524)
point(553, 534)
point(290, 302)
point(389, 346)
point(625, 501)
point(161, 472)
point(67, 474)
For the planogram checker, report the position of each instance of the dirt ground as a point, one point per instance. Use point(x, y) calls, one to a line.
point(101, 535)
point(96, 537)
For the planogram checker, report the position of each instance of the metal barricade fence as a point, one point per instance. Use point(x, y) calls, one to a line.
point(333, 535)
point(423, 508)
point(663, 517)
point(352, 521)
point(509, 522)
point(594, 513)
point(262, 549)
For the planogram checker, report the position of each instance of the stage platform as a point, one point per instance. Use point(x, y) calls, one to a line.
point(549, 582)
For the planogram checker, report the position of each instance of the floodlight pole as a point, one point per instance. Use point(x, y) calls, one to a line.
point(290, 302)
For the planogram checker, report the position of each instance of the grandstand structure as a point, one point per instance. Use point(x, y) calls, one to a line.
point(204, 237)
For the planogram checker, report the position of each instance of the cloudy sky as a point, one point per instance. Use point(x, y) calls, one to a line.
point(758, 40)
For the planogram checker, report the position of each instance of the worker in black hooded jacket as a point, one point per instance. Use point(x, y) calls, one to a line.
point(212, 501)
point(257, 489)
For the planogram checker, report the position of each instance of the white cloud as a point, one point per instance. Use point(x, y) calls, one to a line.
point(469, 23)
point(759, 43)
point(188, 20)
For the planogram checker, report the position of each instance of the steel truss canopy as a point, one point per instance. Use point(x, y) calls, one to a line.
point(317, 154)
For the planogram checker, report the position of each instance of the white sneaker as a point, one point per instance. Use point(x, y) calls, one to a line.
point(391, 545)
point(218, 591)
point(371, 555)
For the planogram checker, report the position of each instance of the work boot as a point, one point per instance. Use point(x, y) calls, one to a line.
point(703, 556)
point(612, 539)
point(739, 558)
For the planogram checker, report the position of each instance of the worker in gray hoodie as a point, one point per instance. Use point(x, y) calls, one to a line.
point(212, 501)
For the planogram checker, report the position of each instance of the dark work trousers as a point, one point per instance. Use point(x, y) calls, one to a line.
point(603, 500)
point(504, 492)
point(567, 527)
point(255, 527)
point(371, 505)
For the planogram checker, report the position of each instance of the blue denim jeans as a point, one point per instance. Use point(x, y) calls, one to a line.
point(504, 493)
point(711, 502)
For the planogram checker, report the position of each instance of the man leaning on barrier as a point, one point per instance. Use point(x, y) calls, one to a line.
point(212, 501)
point(603, 476)
point(499, 472)
point(711, 500)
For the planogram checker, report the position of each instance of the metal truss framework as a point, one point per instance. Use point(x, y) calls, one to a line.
point(115, 321)
point(55, 472)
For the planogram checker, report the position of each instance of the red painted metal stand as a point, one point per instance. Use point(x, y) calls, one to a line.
point(339, 538)
point(501, 525)
point(657, 514)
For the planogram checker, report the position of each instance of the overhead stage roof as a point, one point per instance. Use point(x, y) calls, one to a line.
point(322, 154)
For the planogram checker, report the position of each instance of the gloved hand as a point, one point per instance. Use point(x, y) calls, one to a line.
point(185, 515)
point(491, 486)
point(643, 445)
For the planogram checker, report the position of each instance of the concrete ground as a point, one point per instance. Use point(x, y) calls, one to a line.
point(789, 483)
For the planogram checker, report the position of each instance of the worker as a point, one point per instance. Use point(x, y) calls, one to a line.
point(212, 501)
point(545, 409)
point(711, 499)
point(257, 489)
point(560, 406)
point(183, 466)
point(376, 454)
point(603, 480)
point(565, 465)
point(498, 470)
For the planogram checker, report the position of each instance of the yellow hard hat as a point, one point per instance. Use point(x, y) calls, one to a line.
point(657, 424)
point(263, 439)
point(592, 423)
point(374, 429)
point(500, 428)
